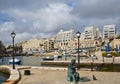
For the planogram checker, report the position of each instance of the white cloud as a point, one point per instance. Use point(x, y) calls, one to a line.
point(42, 22)
point(43, 18)
point(7, 26)
point(48, 18)
point(23, 36)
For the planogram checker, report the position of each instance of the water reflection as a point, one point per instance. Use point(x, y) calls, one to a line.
point(25, 60)
point(3, 77)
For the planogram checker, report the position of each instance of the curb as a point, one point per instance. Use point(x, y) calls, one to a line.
point(52, 68)
point(14, 76)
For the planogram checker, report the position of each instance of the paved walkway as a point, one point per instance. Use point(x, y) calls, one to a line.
point(49, 76)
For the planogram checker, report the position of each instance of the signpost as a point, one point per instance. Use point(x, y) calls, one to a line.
point(107, 48)
point(116, 50)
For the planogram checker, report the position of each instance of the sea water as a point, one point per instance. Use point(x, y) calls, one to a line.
point(3, 77)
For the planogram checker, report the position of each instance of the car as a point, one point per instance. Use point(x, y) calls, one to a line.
point(109, 55)
point(94, 57)
point(57, 56)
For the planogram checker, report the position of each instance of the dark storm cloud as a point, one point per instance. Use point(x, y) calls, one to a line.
point(98, 12)
point(97, 8)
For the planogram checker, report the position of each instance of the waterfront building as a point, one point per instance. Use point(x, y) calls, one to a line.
point(37, 46)
point(86, 44)
point(90, 38)
point(48, 45)
point(91, 33)
point(114, 43)
point(64, 40)
point(31, 46)
point(109, 31)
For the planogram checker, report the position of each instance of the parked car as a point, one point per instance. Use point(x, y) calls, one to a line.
point(109, 55)
point(94, 57)
point(57, 56)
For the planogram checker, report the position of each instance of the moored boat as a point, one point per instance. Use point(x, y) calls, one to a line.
point(16, 61)
point(48, 58)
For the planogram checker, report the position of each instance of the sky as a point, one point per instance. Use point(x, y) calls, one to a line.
point(44, 18)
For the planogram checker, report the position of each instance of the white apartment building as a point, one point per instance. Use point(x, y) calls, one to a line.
point(89, 38)
point(109, 31)
point(64, 39)
point(91, 33)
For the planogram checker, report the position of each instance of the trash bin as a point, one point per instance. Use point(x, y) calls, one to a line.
point(26, 72)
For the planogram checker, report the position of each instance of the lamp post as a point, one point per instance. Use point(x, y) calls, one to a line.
point(78, 36)
point(65, 42)
point(13, 36)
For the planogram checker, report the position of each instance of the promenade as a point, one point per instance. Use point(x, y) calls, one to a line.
point(57, 75)
point(50, 76)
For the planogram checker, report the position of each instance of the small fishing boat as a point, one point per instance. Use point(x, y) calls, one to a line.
point(16, 61)
point(48, 58)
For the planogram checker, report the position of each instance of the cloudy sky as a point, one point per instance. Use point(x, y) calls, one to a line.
point(44, 18)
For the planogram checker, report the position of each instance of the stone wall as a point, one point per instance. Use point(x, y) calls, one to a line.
point(5, 70)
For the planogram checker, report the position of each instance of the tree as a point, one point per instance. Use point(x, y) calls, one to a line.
point(2, 48)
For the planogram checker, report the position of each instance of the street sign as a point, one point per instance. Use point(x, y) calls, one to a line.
point(116, 50)
point(107, 48)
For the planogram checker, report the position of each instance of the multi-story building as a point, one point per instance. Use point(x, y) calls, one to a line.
point(85, 44)
point(64, 40)
point(90, 38)
point(48, 45)
point(37, 46)
point(91, 33)
point(31, 45)
point(109, 31)
point(114, 43)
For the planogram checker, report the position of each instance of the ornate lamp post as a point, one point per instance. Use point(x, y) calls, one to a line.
point(13, 36)
point(78, 36)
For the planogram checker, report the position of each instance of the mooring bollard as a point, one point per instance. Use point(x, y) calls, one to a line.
point(26, 72)
point(91, 66)
point(94, 78)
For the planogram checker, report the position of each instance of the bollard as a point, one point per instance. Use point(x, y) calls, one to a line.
point(94, 78)
point(91, 66)
point(27, 72)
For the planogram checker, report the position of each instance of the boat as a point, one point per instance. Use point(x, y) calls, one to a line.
point(48, 58)
point(16, 61)
point(57, 56)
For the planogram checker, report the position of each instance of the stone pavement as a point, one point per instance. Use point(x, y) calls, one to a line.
point(50, 76)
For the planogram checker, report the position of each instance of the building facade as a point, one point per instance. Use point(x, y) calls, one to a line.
point(64, 40)
point(85, 44)
point(109, 31)
point(48, 45)
point(114, 43)
point(38, 46)
point(90, 38)
point(91, 33)
point(31, 46)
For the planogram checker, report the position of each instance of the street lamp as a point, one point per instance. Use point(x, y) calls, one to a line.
point(13, 36)
point(78, 36)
